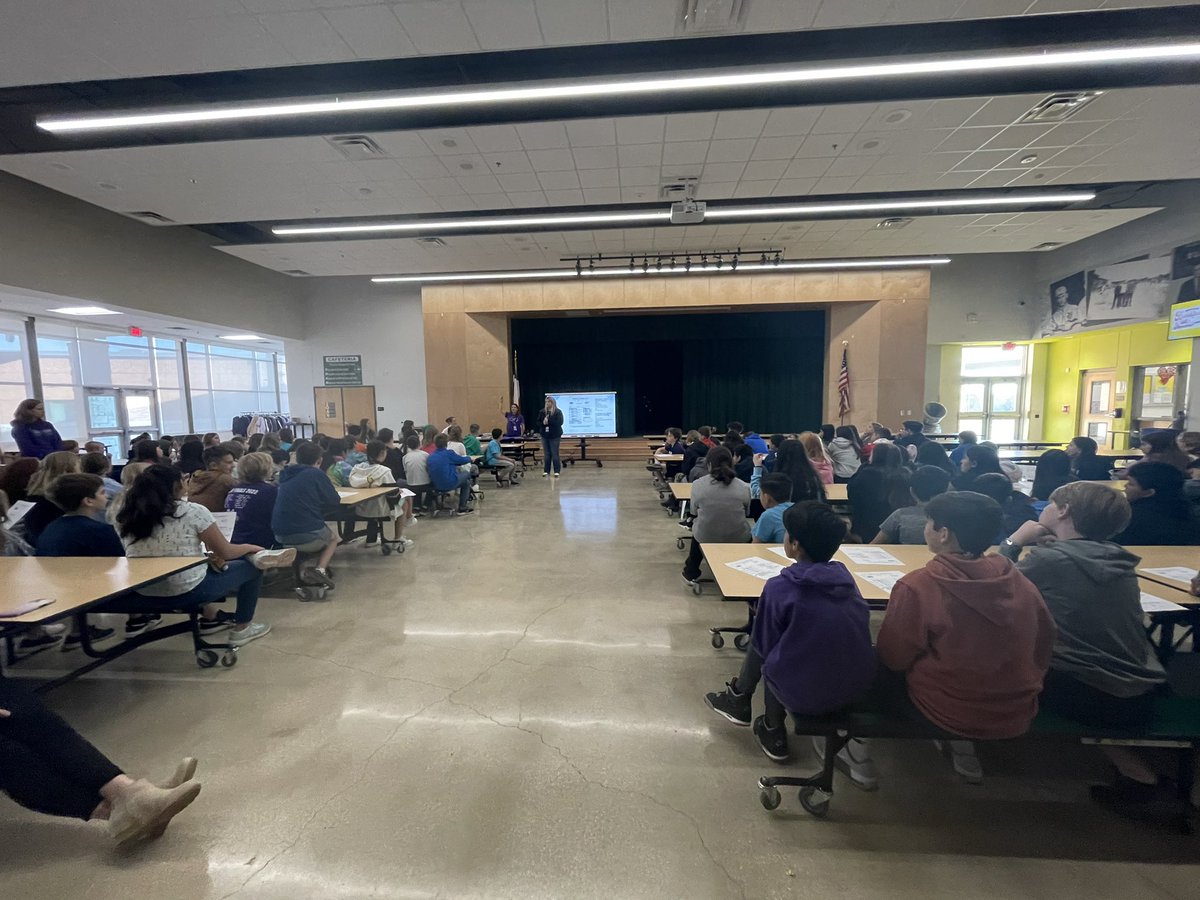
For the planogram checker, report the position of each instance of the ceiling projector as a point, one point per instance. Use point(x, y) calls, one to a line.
point(687, 212)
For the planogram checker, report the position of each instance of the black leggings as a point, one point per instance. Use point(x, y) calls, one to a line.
point(748, 680)
point(45, 765)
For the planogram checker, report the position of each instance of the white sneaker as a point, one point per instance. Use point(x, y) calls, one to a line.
point(853, 760)
point(962, 757)
point(407, 542)
point(273, 559)
point(251, 632)
point(556, 474)
point(544, 474)
point(410, 522)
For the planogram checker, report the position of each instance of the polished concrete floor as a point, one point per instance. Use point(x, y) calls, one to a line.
point(513, 709)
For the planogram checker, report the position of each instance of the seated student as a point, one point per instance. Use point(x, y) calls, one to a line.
point(287, 437)
point(129, 472)
point(846, 453)
point(1085, 464)
point(811, 639)
point(100, 464)
point(428, 433)
point(965, 641)
point(720, 502)
point(931, 453)
point(15, 477)
point(41, 488)
point(504, 467)
point(455, 445)
point(754, 440)
point(912, 433)
point(706, 436)
point(1016, 507)
point(1160, 446)
point(828, 432)
point(445, 475)
point(48, 767)
point(209, 487)
point(814, 449)
point(95, 447)
point(375, 473)
point(211, 439)
point(11, 544)
point(673, 444)
point(906, 525)
point(156, 520)
point(416, 468)
point(965, 440)
point(191, 458)
point(774, 442)
point(77, 532)
point(1160, 513)
point(451, 421)
point(791, 460)
point(471, 442)
point(775, 491)
point(694, 451)
point(395, 454)
point(977, 460)
point(305, 497)
point(337, 466)
point(253, 500)
point(146, 451)
point(1104, 671)
point(876, 490)
point(1052, 472)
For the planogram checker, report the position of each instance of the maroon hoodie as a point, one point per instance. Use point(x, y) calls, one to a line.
point(974, 639)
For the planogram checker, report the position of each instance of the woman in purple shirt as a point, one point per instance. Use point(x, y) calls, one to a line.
point(34, 435)
point(516, 422)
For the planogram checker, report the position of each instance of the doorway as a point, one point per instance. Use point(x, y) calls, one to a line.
point(338, 407)
point(117, 415)
point(658, 386)
point(991, 407)
point(1097, 405)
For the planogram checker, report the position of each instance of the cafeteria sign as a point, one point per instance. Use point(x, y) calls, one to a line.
point(343, 371)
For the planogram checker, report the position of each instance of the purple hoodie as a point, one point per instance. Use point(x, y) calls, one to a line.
point(811, 630)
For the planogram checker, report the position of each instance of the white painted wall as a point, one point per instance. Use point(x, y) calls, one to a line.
point(996, 289)
point(381, 324)
point(53, 243)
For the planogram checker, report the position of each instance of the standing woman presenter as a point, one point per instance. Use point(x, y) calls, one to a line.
point(550, 428)
point(33, 434)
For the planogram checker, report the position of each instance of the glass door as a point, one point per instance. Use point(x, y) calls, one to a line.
point(1097, 404)
point(991, 407)
point(117, 415)
point(1158, 395)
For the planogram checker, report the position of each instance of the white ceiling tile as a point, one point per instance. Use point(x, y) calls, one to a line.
point(551, 160)
point(455, 164)
point(740, 123)
point(823, 145)
point(479, 184)
point(717, 190)
point(424, 167)
point(602, 195)
point(597, 157)
point(875, 184)
point(691, 126)
point(730, 150)
point(641, 20)
point(558, 181)
point(521, 182)
point(1077, 155)
point(637, 194)
point(996, 178)
point(1005, 110)
point(503, 24)
point(495, 138)
point(855, 166)
point(843, 119)
point(807, 167)
point(729, 171)
point(371, 31)
point(641, 129)
point(1066, 134)
point(763, 170)
point(791, 122)
point(836, 185)
point(968, 138)
point(639, 175)
point(592, 132)
point(437, 27)
point(683, 152)
point(639, 155)
point(565, 198)
point(600, 178)
point(447, 141)
point(776, 147)
point(511, 163)
point(401, 143)
point(573, 23)
point(307, 35)
point(441, 187)
point(754, 188)
point(952, 113)
point(891, 165)
point(1042, 175)
point(781, 15)
point(956, 180)
point(527, 199)
point(543, 135)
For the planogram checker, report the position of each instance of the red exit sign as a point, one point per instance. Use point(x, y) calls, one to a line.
point(135, 331)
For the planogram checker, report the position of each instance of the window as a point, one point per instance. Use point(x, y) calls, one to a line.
point(992, 392)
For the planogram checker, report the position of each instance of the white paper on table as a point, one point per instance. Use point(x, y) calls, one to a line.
point(756, 566)
point(780, 551)
point(869, 556)
point(1152, 604)
point(885, 581)
point(225, 522)
point(1175, 573)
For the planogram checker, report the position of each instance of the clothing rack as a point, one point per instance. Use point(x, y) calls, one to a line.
point(248, 423)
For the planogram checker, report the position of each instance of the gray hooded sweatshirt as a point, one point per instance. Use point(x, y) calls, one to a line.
point(1091, 589)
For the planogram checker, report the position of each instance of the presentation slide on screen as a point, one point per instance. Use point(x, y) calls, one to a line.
point(592, 414)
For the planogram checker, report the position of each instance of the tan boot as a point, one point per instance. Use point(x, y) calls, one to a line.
point(142, 812)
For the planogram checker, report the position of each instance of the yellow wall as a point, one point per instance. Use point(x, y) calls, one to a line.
point(1122, 349)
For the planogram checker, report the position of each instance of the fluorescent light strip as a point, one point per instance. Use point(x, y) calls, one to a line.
point(485, 222)
point(1053, 59)
point(718, 212)
point(679, 270)
point(85, 311)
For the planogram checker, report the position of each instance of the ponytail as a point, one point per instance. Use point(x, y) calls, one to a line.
point(148, 502)
point(720, 465)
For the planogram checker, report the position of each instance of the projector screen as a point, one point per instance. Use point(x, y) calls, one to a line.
point(590, 414)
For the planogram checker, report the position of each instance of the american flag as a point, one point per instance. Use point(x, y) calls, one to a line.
point(844, 387)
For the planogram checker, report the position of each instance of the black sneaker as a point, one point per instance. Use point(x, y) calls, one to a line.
point(138, 624)
point(463, 512)
point(34, 643)
point(730, 705)
point(95, 633)
point(312, 575)
point(220, 623)
point(772, 741)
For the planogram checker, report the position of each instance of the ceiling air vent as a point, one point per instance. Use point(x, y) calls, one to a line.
point(299, 273)
point(356, 147)
point(894, 222)
point(431, 242)
point(150, 217)
point(1059, 107)
point(678, 187)
point(709, 16)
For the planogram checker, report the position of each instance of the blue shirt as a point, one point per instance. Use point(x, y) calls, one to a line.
point(443, 468)
point(79, 536)
point(494, 452)
point(755, 442)
point(769, 527)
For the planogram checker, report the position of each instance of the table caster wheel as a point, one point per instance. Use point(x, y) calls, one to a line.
point(206, 659)
point(769, 797)
point(717, 641)
point(387, 551)
point(678, 543)
point(814, 801)
point(696, 589)
point(742, 641)
point(229, 660)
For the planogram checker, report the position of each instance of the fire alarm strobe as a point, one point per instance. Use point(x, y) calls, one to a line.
point(687, 212)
